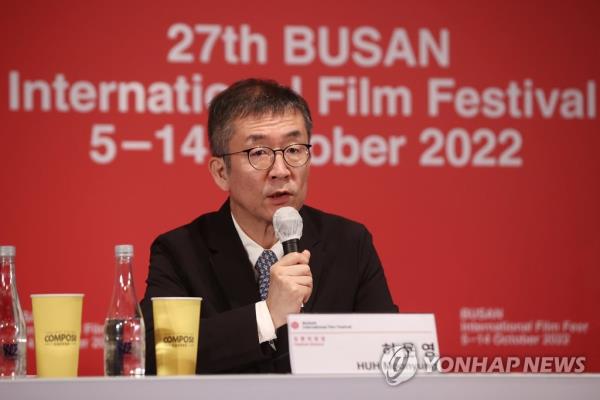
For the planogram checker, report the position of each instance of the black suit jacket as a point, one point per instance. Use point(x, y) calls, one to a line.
point(206, 259)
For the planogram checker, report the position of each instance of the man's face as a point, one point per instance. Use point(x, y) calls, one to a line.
point(255, 195)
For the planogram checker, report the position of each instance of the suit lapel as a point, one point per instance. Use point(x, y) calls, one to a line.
point(319, 257)
point(229, 261)
point(230, 264)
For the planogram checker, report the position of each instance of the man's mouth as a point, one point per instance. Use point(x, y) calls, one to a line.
point(279, 197)
point(279, 194)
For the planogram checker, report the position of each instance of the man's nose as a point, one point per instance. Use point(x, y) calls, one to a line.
point(279, 169)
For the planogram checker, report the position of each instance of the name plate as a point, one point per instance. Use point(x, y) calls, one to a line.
point(360, 343)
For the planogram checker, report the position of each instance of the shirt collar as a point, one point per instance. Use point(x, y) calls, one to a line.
point(253, 249)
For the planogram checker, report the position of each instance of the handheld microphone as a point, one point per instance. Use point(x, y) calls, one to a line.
point(287, 224)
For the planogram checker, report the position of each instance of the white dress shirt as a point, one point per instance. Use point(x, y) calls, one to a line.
point(264, 322)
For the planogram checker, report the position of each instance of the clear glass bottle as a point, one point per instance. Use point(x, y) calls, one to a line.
point(13, 333)
point(124, 333)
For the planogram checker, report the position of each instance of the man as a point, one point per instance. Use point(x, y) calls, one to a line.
point(259, 135)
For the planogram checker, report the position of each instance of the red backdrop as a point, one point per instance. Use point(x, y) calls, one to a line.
point(469, 134)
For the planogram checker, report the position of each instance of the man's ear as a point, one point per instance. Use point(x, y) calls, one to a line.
point(219, 172)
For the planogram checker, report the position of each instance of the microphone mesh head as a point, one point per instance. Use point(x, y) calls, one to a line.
point(287, 223)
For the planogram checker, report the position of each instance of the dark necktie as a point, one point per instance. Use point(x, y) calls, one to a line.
point(263, 266)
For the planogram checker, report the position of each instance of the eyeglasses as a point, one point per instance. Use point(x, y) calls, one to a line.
point(262, 157)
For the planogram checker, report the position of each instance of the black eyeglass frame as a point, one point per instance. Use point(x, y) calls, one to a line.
point(274, 151)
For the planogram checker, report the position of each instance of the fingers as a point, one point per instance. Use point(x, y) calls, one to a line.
point(290, 286)
point(302, 290)
point(295, 258)
point(302, 287)
point(305, 299)
point(293, 264)
point(306, 292)
point(303, 281)
point(292, 270)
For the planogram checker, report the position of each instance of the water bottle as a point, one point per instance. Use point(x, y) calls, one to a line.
point(13, 334)
point(124, 333)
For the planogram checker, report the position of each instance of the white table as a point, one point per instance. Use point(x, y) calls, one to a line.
point(308, 387)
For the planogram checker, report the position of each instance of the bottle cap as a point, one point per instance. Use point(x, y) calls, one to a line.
point(8, 251)
point(124, 250)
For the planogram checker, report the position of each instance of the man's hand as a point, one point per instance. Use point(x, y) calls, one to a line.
point(290, 286)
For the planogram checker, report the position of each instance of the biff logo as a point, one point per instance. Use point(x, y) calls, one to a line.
point(180, 339)
point(60, 338)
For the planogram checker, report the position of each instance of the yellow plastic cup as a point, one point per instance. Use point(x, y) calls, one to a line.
point(57, 327)
point(176, 332)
